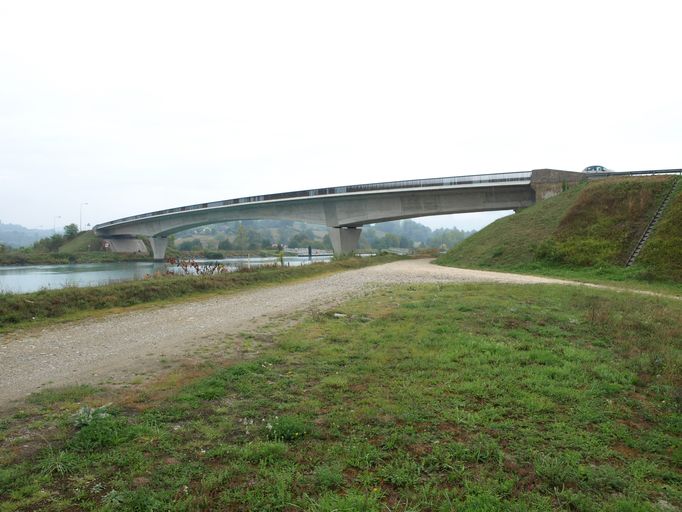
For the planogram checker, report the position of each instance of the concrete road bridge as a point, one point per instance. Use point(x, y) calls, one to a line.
point(344, 210)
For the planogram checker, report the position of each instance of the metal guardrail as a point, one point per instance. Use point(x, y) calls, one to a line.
point(632, 173)
point(452, 181)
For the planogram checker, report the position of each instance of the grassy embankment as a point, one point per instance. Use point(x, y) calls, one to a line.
point(84, 248)
point(470, 398)
point(585, 233)
point(20, 310)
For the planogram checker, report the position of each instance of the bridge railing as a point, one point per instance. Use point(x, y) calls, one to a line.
point(652, 172)
point(452, 181)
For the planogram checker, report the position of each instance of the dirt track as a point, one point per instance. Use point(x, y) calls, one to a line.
point(118, 347)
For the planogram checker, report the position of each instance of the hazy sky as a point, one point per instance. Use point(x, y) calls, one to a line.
point(136, 106)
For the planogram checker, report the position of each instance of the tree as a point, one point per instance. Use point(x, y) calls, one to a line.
point(448, 237)
point(299, 240)
point(50, 244)
point(241, 241)
point(70, 231)
point(191, 245)
point(225, 245)
point(387, 241)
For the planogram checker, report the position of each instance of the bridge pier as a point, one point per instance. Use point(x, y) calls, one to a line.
point(159, 245)
point(344, 240)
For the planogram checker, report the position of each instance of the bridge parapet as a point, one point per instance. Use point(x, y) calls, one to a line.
point(547, 183)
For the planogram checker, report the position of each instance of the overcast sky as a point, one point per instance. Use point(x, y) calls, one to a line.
point(137, 106)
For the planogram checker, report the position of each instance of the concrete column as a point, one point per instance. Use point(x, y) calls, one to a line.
point(344, 240)
point(159, 245)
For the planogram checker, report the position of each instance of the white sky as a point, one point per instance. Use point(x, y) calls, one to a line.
point(136, 106)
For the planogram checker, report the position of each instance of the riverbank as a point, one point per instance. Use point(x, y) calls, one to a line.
point(468, 397)
point(30, 309)
point(18, 257)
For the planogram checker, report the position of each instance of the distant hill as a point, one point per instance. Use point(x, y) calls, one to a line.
point(264, 233)
point(14, 235)
point(593, 224)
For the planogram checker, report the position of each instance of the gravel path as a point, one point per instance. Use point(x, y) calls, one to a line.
point(117, 347)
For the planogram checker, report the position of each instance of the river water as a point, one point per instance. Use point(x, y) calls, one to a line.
point(31, 278)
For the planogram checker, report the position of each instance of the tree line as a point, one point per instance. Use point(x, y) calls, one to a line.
point(266, 234)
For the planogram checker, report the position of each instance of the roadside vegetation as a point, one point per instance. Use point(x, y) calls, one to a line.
point(431, 398)
point(25, 309)
point(586, 232)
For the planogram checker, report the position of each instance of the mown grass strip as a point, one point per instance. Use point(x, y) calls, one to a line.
point(17, 310)
point(461, 397)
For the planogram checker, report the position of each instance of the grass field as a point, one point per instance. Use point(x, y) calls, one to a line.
point(459, 397)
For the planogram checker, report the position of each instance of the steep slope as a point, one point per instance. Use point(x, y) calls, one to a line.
point(594, 224)
point(663, 251)
point(83, 242)
point(513, 239)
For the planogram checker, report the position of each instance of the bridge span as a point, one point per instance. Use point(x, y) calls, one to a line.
point(344, 210)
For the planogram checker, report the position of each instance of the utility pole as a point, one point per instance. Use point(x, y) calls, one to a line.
point(54, 223)
point(80, 219)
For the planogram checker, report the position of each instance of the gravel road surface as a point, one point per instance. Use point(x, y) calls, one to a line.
point(115, 348)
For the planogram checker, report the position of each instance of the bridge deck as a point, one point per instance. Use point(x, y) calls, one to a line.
point(510, 178)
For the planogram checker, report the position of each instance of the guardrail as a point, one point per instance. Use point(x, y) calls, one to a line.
point(591, 175)
point(452, 181)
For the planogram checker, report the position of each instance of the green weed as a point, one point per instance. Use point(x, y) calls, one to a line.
point(287, 428)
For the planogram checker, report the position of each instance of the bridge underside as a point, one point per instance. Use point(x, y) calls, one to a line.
point(346, 213)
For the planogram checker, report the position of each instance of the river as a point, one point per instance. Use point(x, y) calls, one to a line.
point(31, 278)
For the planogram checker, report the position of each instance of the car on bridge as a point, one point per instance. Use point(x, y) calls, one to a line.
point(596, 168)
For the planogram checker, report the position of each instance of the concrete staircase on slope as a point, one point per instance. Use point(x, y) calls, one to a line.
point(652, 224)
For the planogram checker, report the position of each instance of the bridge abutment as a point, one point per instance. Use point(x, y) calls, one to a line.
point(159, 245)
point(344, 240)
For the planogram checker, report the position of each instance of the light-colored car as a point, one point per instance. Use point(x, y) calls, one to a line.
point(596, 168)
